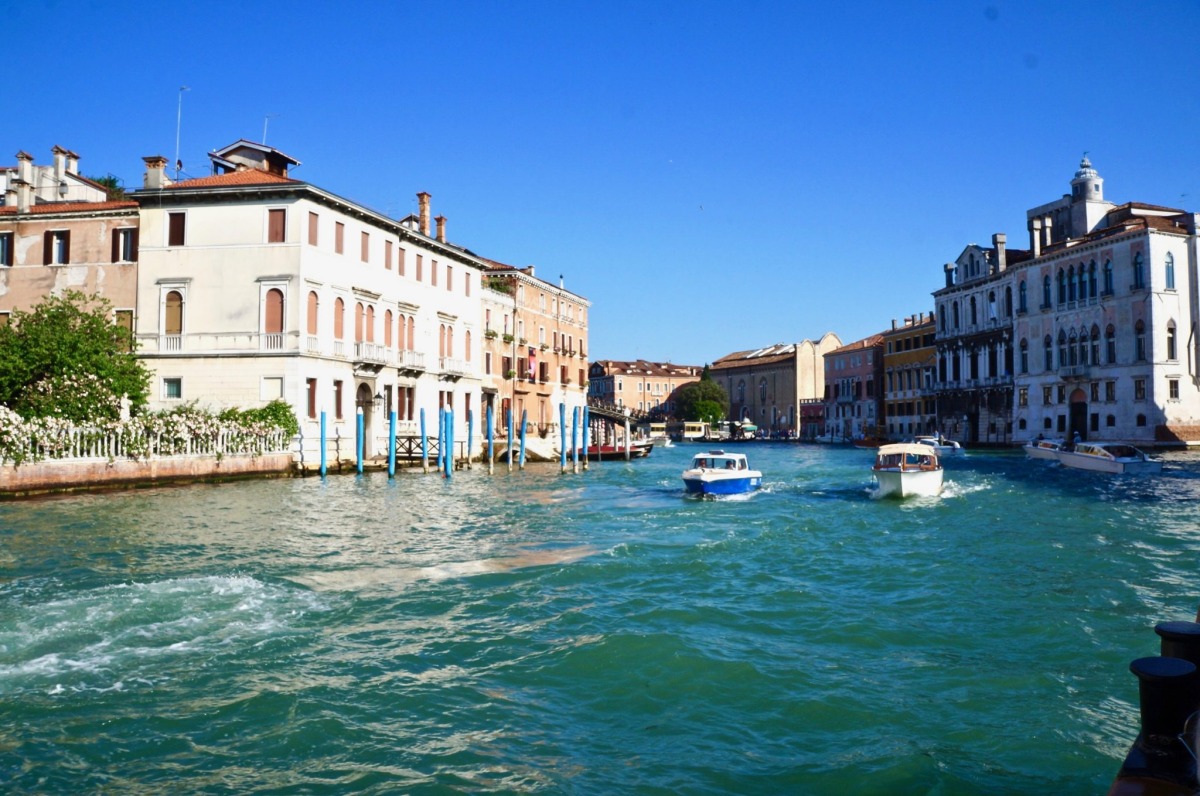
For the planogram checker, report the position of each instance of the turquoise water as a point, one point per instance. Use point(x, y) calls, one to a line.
point(592, 633)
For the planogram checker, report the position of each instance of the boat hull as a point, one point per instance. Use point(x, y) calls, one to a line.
point(717, 483)
point(1096, 464)
point(609, 453)
point(1046, 451)
point(909, 483)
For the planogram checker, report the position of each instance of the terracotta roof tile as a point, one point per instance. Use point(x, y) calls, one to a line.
point(245, 177)
point(70, 207)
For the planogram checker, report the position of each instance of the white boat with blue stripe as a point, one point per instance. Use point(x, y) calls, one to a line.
point(716, 472)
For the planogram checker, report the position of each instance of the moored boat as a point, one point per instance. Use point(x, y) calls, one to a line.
point(1046, 449)
point(906, 469)
point(942, 446)
point(606, 453)
point(716, 472)
point(1108, 457)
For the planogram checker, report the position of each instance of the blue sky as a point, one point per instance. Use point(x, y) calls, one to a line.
point(711, 176)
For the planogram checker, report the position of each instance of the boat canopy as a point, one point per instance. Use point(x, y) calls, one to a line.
point(909, 448)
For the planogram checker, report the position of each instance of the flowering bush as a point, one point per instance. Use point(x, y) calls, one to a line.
point(183, 430)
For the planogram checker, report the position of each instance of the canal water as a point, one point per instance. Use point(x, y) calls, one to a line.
point(591, 633)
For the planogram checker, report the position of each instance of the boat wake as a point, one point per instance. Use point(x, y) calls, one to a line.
point(138, 634)
point(393, 578)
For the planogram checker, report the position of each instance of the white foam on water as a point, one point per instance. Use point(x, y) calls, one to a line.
point(103, 638)
point(392, 578)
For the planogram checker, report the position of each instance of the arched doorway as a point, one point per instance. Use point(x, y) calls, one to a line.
point(365, 401)
point(1077, 421)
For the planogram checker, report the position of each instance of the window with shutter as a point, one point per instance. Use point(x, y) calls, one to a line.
point(176, 228)
point(276, 225)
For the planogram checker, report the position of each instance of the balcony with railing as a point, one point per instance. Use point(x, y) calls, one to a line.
point(369, 354)
point(456, 368)
point(270, 342)
point(411, 361)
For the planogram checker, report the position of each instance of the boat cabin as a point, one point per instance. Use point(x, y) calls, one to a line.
point(906, 457)
point(719, 460)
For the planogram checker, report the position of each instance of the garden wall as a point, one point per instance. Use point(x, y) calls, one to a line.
point(58, 475)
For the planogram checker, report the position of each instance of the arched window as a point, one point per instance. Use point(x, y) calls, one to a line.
point(173, 318)
point(955, 307)
point(467, 352)
point(441, 340)
point(400, 343)
point(1072, 357)
point(1024, 355)
point(1062, 286)
point(387, 329)
point(1083, 347)
point(1082, 274)
point(450, 342)
point(1095, 358)
point(1092, 279)
point(1022, 298)
point(339, 320)
point(1046, 291)
point(1062, 348)
point(1008, 307)
point(1047, 353)
point(411, 339)
point(1139, 341)
point(1171, 340)
point(1108, 278)
point(1110, 344)
point(1139, 271)
point(974, 312)
point(1170, 281)
point(359, 313)
point(273, 312)
point(762, 391)
point(1071, 283)
point(741, 391)
point(942, 319)
point(313, 306)
point(369, 321)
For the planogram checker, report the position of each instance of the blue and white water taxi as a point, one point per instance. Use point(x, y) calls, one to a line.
point(716, 472)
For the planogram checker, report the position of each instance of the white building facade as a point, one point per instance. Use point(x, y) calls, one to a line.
point(254, 286)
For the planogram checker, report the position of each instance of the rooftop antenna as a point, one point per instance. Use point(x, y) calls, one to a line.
point(178, 123)
point(266, 120)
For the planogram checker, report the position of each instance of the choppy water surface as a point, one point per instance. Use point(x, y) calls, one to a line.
point(592, 633)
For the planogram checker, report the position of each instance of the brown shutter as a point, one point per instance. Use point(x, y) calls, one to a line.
point(66, 247)
point(276, 223)
point(134, 254)
point(116, 246)
point(47, 248)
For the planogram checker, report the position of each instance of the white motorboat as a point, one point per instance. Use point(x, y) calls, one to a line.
point(719, 473)
point(944, 447)
point(1108, 457)
point(1046, 449)
point(906, 469)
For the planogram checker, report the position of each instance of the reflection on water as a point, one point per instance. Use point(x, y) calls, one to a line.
point(596, 632)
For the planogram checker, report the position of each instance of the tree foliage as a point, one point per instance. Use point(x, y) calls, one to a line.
point(112, 187)
point(692, 400)
point(66, 358)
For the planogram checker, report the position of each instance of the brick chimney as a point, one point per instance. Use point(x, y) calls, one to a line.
point(423, 204)
point(25, 167)
point(999, 241)
point(155, 177)
point(441, 228)
point(24, 196)
point(60, 163)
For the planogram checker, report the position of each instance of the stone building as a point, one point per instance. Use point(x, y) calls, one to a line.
point(641, 386)
point(768, 386)
point(909, 371)
point(59, 231)
point(853, 390)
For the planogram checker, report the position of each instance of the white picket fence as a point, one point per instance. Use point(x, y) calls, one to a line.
point(82, 444)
